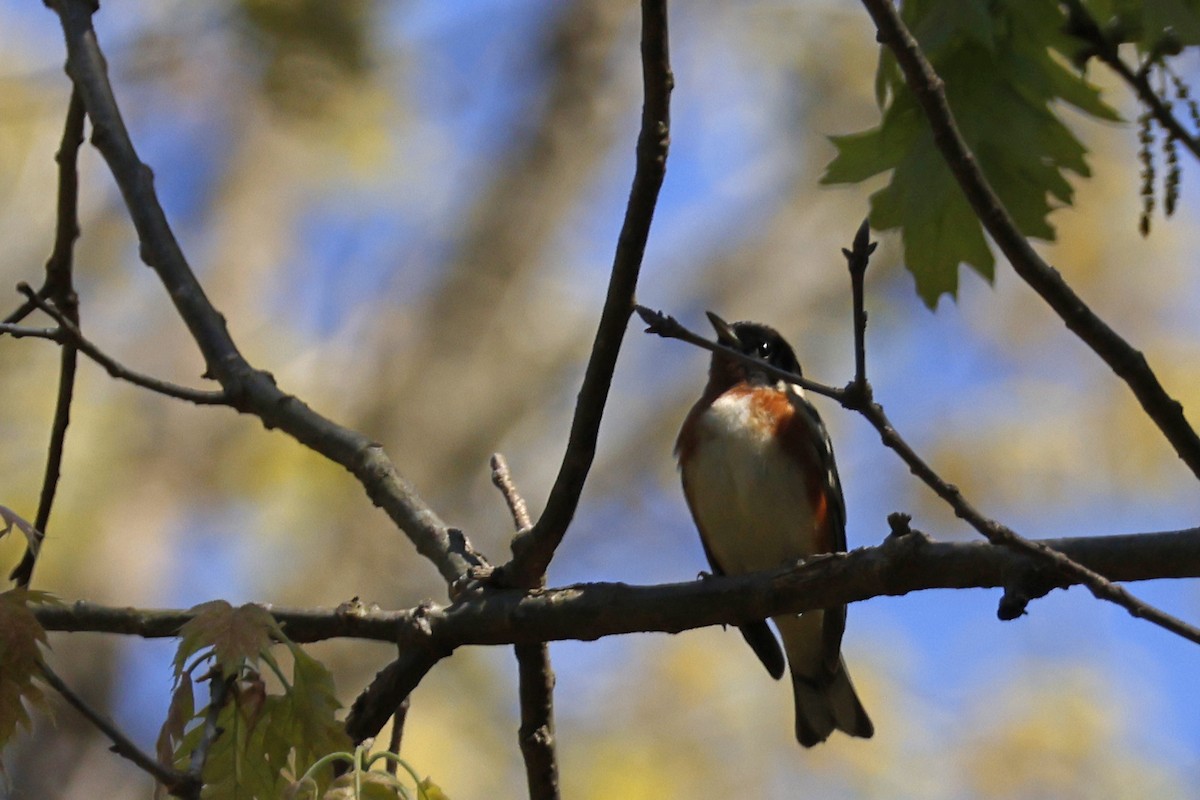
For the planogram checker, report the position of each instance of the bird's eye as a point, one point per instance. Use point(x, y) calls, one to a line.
point(764, 350)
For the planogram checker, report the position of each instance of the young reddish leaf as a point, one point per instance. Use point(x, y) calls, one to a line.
point(252, 697)
point(237, 636)
point(21, 638)
point(180, 713)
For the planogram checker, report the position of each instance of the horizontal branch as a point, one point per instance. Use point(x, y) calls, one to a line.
point(902, 564)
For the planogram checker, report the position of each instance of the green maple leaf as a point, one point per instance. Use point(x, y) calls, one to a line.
point(1005, 82)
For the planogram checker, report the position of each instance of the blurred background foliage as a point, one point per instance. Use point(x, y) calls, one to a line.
point(407, 212)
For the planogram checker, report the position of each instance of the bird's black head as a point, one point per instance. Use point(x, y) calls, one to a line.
point(753, 339)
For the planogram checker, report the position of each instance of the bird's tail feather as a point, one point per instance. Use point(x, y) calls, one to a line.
point(827, 705)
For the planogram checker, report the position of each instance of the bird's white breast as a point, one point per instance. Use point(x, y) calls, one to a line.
point(749, 498)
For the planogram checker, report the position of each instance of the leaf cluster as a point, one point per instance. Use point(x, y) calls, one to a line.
point(251, 741)
point(1007, 74)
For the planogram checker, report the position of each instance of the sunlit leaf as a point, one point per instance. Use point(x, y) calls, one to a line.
point(237, 636)
point(1004, 83)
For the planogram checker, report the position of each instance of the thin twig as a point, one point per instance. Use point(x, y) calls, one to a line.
point(248, 389)
point(397, 735)
point(1081, 24)
point(9, 323)
point(857, 258)
point(535, 675)
point(533, 551)
point(668, 327)
point(176, 781)
point(69, 334)
point(23, 332)
point(1129, 364)
point(502, 480)
point(60, 290)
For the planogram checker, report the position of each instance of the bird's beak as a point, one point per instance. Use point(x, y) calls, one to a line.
point(725, 334)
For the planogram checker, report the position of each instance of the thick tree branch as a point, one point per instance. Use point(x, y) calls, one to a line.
point(532, 551)
point(388, 690)
point(1129, 364)
point(900, 565)
point(250, 390)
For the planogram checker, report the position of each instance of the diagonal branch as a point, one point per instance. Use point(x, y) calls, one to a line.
point(68, 334)
point(533, 551)
point(249, 390)
point(1128, 363)
point(391, 686)
point(177, 782)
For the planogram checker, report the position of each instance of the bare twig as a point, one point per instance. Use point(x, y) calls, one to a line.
point(1082, 24)
point(502, 480)
point(1129, 364)
point(532, 551)
point(668, 327)
point(901, 564)
point(535, 675)
point(248, 390)
point(9, 324)
point(397, 734)
point(60, 289)
point(857, 258)
point(23, 332)
point(67, 333)
point(177, 782)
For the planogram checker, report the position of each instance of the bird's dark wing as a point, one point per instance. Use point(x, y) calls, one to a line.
point(834, 624)
point(758, 635)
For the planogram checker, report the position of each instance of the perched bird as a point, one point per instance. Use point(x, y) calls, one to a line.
point(762, 486)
